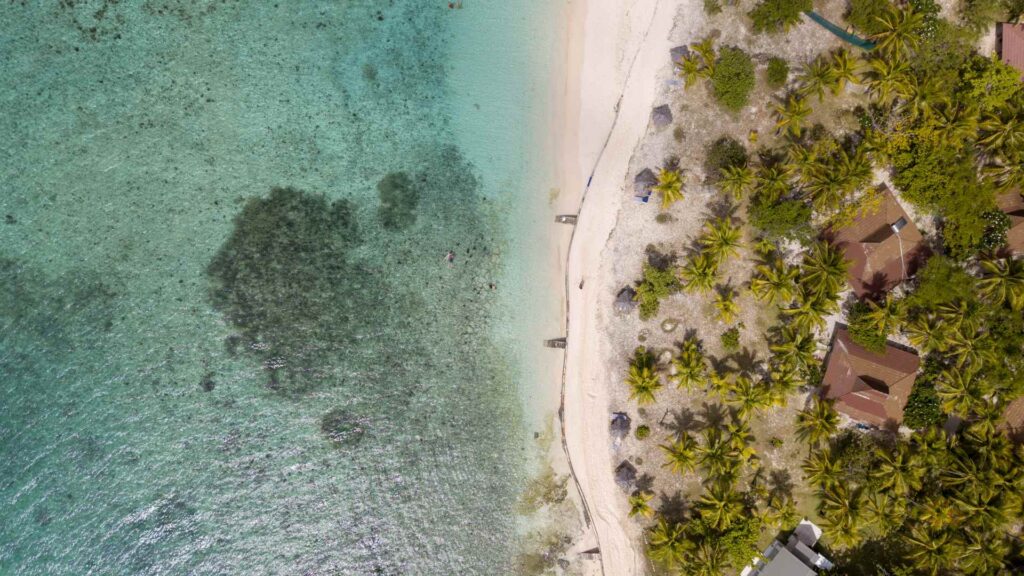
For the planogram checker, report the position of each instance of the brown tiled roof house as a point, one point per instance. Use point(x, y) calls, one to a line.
point(882, 244)
point(1012, 204)
point(866, 386)
point(1010, 43)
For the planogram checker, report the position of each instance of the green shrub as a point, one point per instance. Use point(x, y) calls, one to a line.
point(726, 152)
point(733, 78)
point(778, 73)
point(940, 281)
point(782, 219)
point(996, 227)
point(922, 408)
point(712, 7)
point(778, 15)
point(656, 285)
point(731, 339)
point(862, 331)
point(643, 431)
point(979, 15)
point(864, 14)
point(775, 442)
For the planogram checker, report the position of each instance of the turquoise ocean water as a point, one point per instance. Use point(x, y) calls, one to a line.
point(229, 342)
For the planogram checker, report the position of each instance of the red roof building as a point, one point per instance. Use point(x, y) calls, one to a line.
point(866, 386)
point(1010, 44)
point(882, 244)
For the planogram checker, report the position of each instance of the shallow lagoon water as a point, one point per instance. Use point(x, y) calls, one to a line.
point(172, 334)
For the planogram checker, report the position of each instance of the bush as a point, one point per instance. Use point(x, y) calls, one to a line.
point(864, 14)
point(862, 332)
point(998, 224)
point(775, 442)
point(731, 339)
point(723, 153)
point(778, 15)
point(922, 408)
point(782, 219)
point(778, 73)
point(656, 285)
point(733, 78)
point(642, 431)
point(712, 7)
point(941, 281)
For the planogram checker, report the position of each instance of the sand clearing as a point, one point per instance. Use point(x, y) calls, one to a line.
point(618, 58)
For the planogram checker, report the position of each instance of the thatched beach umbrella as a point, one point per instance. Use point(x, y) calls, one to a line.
point(625, 476)
point(661, 116)
point(624, 302)
point(643, 183)
point(679, 52)
point(620, 425)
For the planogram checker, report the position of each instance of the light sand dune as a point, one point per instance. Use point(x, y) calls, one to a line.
point(618, 56)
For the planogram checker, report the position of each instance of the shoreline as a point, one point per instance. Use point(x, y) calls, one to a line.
point(610, 90)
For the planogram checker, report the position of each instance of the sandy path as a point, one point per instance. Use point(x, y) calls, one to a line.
point(623, 52)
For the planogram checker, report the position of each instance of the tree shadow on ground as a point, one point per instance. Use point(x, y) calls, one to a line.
point(673, 507)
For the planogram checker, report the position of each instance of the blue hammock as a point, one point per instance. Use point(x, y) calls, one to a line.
point(843, 34)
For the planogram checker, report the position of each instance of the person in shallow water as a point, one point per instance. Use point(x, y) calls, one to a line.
point(450, 257)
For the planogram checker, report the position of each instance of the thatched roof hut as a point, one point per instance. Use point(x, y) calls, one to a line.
point(620, 425)
point(661, 116)
point(643, 183)
point(625, 476)
point(624, 302)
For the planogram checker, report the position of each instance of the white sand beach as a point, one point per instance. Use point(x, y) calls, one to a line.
point(618, 59)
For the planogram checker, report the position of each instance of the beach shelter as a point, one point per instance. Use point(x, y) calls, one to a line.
point(661, 116)
point(642, 185)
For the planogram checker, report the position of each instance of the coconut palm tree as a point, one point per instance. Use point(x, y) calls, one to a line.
point(720, 384)
point(736, 180)
point(968, 348)
point(822, 469)
point(774, 282)
point(841, 509)
point(721, 238)
point(1003, 281)
point(706, 558)
point(691, 69)
point(792, 115)
point(923, 96)
point(691, 365)
point(748, 397)
point(1001, 132)
point(887, 79)
point(898, 32)
point(929, 550)
point(809, 311)
point(785, 377)
point(706, 49)
point(716, 456)
point(741, 438)
point(983, 553)
point(898, 471)
point(725, 304)
point(955, 125)
point(961, 391)
point(823, 270)
point(680, 455)
point(815, 78)
point(639, 504)
point(643, 380)
point(670, 186)
point(700, 273)
point(816, 423)
point(667, 543)
point(843, 70)
point(885, 512)
point(886, 315)
point(772, 182)
point(795, 347)
point(721, 506)
point(928, 333)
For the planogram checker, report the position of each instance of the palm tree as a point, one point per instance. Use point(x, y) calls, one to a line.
point(741, 438)
point(749, 396)
point(887, 79)
point(721, 238)
point(670, 185)
point(1003, 281)
point(774, 282)
point(841, 510)
point(885, 512)
point(885, 316)
point(843, 70)
point(681, 455)
point(725, 303)
point(706, 558)
point(795, 347)
point(929, 550)
point(822, 469)
point(928, 333)
point(954, 124)
point(961, 391)
point(700, 273)
point(716, 456)
point(818, 422)
point(785, 377)
point(898, 471)
point(691, 366)
point(667, 543)
point(792, 115)
point(968, 348)
point(643, 381)
point(720, 506)
point(706, 49)
point(736, 180)
point(690, 69)
point(897, 32)
point(1001, 132)
point(824, 270)
point(809, 311)
point(638, 504)
point(816, 77)
point(923, 96)
point(983, 553)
